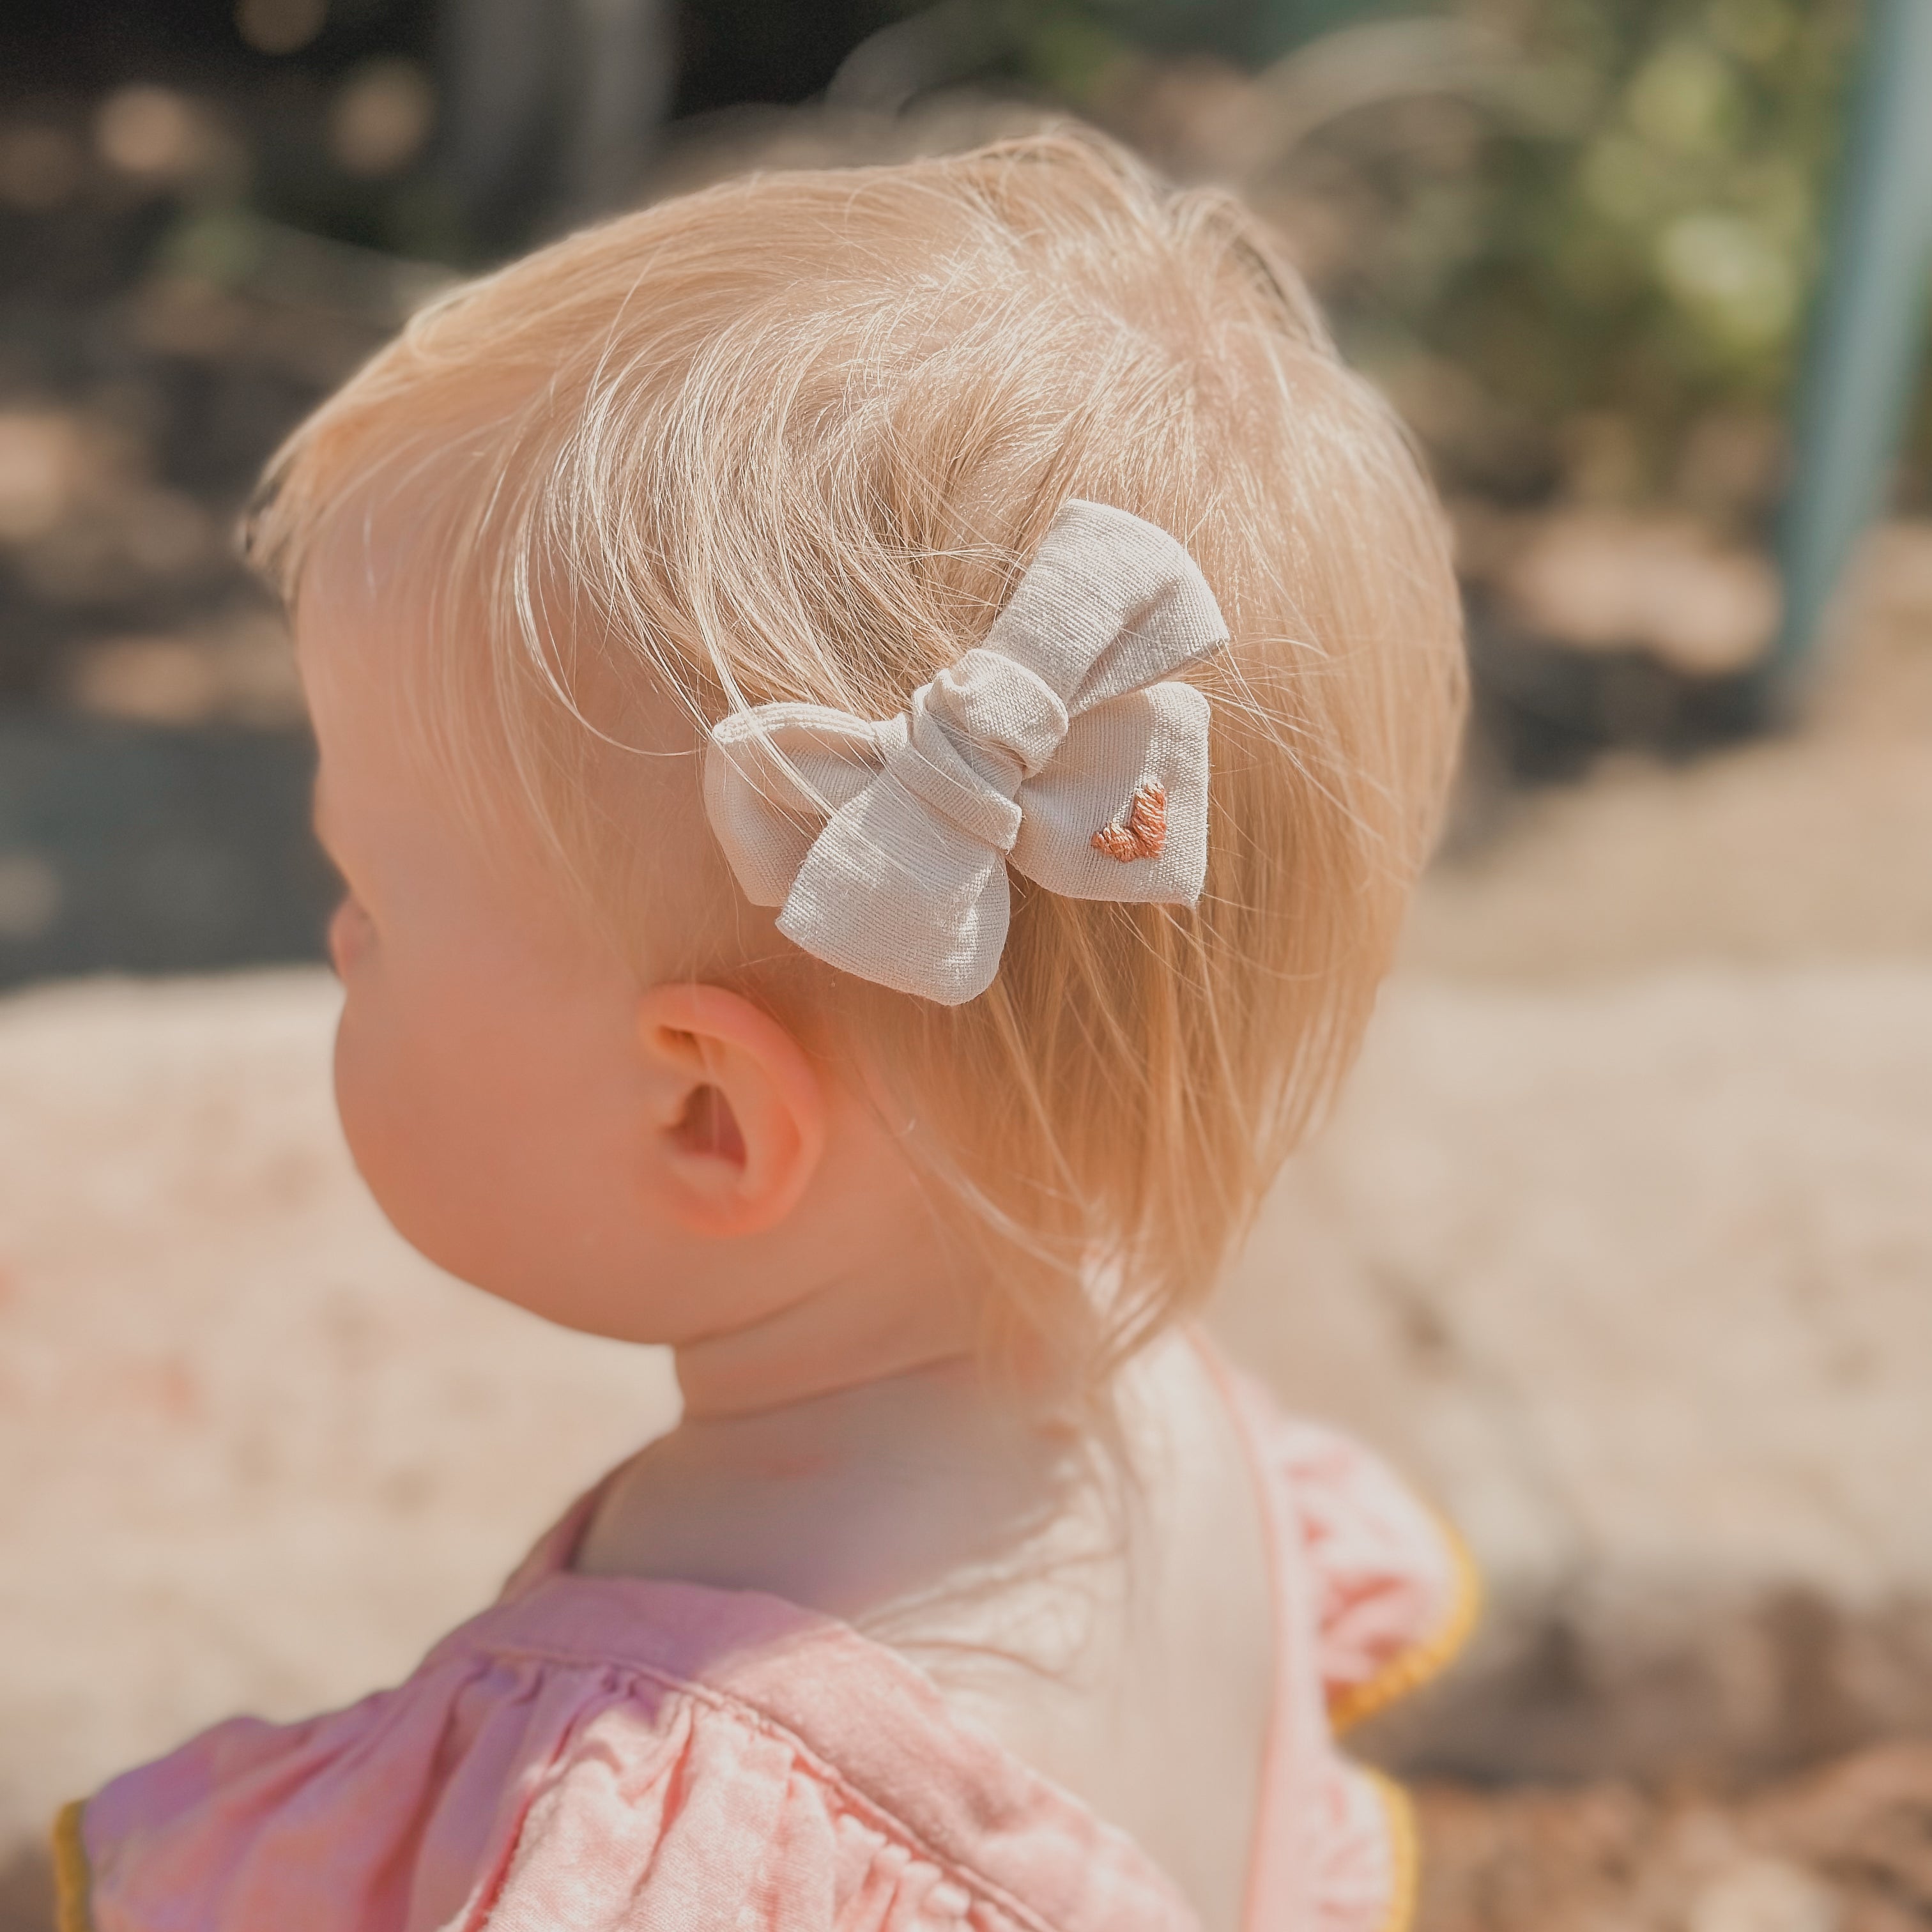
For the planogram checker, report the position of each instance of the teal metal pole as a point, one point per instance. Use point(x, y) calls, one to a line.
point(1868, 329)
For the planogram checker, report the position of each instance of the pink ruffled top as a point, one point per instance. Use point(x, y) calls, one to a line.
point(593, 1753)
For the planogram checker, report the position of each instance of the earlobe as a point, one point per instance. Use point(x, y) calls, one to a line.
point(739, 1125)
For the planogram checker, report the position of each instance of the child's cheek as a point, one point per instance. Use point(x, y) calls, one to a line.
point(359, 1099)
point(418, 1106)
point(386, 1108)
point(350, 934)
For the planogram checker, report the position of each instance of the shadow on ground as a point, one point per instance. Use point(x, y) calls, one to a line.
point(27, 1891)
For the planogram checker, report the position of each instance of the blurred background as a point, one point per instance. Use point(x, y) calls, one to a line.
point(1624, 1241)
point(1575, 241)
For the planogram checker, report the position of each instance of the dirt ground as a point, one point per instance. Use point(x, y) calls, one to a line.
point(1846, 1848)
point(1808, 845)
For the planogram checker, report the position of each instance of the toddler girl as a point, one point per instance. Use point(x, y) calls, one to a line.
point(876, 725)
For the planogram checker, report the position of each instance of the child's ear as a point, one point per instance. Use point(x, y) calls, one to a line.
point(738, 1115)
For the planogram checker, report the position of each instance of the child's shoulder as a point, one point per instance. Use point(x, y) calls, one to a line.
point(620, 1751)
point(601, 1751)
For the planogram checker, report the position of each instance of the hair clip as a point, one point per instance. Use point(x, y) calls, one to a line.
point(1061, 745)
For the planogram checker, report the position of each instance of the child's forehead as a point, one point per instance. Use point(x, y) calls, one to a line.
point(371, 558)
point(375, 613)
point(379, 696)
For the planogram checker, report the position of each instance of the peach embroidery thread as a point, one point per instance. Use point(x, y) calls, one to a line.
point(1145, 831)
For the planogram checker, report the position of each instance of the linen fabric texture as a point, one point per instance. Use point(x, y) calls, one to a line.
point(886, 841)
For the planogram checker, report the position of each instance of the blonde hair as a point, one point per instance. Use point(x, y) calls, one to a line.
point(796, 437)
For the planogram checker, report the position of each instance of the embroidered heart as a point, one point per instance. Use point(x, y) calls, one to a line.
point(1141, 831)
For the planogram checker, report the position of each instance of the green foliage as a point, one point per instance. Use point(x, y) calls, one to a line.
point(1647, 254)
point(1615, 261)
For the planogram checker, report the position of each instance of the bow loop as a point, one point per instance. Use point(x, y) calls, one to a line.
point(1061, 745)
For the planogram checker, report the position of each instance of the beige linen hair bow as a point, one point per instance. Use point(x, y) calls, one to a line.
point(1060, 746)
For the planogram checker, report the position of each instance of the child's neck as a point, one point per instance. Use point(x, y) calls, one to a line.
point(840, 1443)
point(822, 1345)
point(1107, 1615)
point(870, 1290)
point(842, 1501)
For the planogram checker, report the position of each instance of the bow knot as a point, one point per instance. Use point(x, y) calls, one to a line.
point(993, 705)
point(885, 842)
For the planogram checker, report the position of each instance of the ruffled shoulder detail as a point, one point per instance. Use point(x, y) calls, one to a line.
point(1397, 1594)
point(604, 1753)
point(1366, 1881)
point(1372, 1594)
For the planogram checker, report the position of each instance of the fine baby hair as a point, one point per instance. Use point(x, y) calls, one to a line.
point(796, 439)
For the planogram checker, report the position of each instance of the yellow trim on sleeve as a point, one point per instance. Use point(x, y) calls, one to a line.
point(1411, 1668)
point(71, 1872)
point(1404, 1853)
